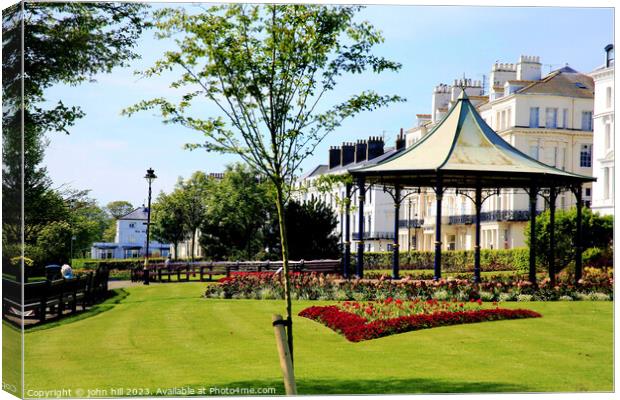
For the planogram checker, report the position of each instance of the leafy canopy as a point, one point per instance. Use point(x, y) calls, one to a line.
point(266, 68)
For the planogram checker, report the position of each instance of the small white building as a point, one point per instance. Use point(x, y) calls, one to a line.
point(603, 144)
point(130, 239)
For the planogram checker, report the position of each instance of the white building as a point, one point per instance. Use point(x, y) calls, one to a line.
point(378, 205)
point(603, 146)
point(130, 239)
point(549, 118)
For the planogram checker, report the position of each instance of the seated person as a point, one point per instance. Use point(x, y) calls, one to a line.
point(66, 271)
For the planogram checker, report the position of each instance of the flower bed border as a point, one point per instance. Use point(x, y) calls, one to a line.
point(356, 328)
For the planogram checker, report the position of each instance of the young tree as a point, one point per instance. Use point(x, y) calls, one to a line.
point(268, 69)
point(167, 220)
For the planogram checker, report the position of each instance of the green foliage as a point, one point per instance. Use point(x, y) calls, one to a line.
point(62, 43)
point(597, 232)
point(167, 221)
point(310, 227)
point(237, 207)
point(452, 261)
point(118, 208)
point(597, 257)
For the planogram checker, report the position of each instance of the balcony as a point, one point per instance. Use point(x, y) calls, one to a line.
point(373, 235)
point(489, 216)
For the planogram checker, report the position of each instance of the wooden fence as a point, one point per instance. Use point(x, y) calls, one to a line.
point(205, 270)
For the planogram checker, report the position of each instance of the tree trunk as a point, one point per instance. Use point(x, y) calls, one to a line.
point(285, 266)
point(176, 251)
point(193, 241)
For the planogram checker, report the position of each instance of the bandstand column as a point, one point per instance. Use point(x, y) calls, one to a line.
point(533, 193)
point(359, 270)
point(552, 198)
point(579, 238)
point(396, 254)
point(439, 197)
point(478, 206)
point(347, 233)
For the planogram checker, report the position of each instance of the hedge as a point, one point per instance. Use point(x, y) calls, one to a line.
point(451, 261)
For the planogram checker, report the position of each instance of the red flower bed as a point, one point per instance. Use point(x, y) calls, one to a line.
point(357, 328)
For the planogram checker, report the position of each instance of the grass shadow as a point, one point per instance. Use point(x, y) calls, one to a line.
point(353, 387)
point(116, 296)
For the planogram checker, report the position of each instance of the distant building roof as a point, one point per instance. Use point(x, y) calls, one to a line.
point(318, 170)
point(562, 82)
point(139, 213)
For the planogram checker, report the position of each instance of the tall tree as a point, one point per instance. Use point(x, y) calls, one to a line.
point(268, 69)
point(167, 220)
point(311, 226)
point(118, 208)
point(191, 194)
point(62, 43)
point(238, 206)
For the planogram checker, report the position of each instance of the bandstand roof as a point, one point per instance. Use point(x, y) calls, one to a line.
point(465, 152)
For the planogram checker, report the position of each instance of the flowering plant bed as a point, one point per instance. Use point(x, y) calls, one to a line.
point(371, 320)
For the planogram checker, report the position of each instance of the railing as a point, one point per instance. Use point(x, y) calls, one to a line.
point(461, 219)
point(373, 235)
point(503, 215)
point(410, 223)
point(205, 270)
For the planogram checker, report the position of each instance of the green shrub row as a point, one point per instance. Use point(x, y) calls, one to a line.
point(452, 261)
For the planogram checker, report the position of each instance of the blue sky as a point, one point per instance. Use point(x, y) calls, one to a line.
point(109, 153)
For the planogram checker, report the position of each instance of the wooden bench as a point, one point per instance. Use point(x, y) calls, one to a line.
point(44, 298)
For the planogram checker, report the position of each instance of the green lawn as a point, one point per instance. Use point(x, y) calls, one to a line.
point(167, 336)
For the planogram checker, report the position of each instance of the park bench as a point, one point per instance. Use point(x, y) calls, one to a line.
point(52, 297)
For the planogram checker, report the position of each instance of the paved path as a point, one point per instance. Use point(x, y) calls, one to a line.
point(123, 284)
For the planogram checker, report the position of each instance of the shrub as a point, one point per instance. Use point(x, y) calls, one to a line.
point(452, 261)
point(312, 286)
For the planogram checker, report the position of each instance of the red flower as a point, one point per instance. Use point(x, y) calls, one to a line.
point(479, 301)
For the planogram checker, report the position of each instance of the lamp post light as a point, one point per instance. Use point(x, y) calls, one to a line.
point(150, 177)
point(71, 255)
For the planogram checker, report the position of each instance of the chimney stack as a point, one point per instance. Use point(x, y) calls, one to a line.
point(347, 154)
point(400, 140)
point(375, 147)
point(361, 149)
point(334, 157)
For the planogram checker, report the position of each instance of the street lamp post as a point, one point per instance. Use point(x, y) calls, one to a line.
point(71, 255)
point(150, 177)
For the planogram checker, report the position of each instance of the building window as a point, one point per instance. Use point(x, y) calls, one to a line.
point(551, 118)
point(588, 192)
point(132, 225)
point(608, 97)
point(534, 151)
point(607, 136)
point(606, 183)
point(585, 156)
point(586, 121)
point(565, 118)
point(534, 117)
